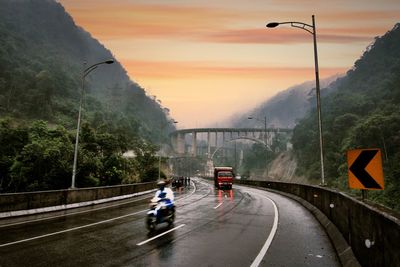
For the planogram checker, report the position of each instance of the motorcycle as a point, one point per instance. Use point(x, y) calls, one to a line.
point(161, 210)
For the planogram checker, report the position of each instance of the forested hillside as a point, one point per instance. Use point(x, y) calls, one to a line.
point(42, 55)
point(287, 107)
point(362, 113)
point(283, 110)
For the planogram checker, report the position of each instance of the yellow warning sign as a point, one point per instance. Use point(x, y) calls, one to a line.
point(365, 169)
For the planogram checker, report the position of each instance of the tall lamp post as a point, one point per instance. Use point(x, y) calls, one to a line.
point(159, 153)
point(84, 74)
point(311, 29)
point(265, 139)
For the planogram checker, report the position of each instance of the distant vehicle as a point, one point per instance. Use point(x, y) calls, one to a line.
point(223, 177)
point(177, 182)
point(238, 177)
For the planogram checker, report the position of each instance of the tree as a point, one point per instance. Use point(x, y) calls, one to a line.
point(146, 161)
point(44, 162)
point(12, 140)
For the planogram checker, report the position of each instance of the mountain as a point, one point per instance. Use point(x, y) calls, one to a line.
point(363, 112)
point(42, 53)
point(287, 107)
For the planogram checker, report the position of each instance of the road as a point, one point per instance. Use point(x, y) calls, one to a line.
point(239, 227)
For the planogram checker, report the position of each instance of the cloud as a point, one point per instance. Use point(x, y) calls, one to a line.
point(359, 15)
point(210, 70)
point(119, 19)
point(112, 21)
point(283, 36)
point(148, 20)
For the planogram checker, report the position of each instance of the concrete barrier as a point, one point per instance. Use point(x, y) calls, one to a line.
point(373, 235)
point(30, 201)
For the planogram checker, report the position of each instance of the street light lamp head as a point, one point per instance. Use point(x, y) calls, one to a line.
point(272, 24)
point(110, 61)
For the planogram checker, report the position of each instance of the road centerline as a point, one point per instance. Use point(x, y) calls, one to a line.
point(160, 235)
point(216, 207)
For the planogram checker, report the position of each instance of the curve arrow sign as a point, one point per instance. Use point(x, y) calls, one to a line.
point(365, 171)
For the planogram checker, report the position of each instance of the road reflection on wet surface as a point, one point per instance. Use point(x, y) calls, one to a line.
point(212, 228)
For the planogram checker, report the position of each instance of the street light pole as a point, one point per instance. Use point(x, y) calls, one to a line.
point(84, 74)
point(311, 29)
point(318, 94)
point(263, 121)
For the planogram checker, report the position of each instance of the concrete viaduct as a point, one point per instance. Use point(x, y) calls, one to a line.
point(217, 137)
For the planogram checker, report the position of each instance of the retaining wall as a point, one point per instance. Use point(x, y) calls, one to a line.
point(35, 200)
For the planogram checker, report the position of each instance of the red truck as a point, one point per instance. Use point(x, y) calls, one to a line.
point(223, 177)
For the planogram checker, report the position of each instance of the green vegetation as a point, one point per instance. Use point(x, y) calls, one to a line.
point(41, 57)
point(257, 158)
point(250, 160)
point(41, 60)
point(40, 158)
point(362, 113)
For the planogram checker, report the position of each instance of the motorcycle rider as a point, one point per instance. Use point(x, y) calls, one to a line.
point(164, 196)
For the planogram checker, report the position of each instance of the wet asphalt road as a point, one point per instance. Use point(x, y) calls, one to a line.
point(212, 228)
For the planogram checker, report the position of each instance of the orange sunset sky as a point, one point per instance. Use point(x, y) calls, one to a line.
point(208, 60)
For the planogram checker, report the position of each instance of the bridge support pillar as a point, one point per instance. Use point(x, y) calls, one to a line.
point(216, 142)
point(181, 143)
point(223, 144)
point(208, 145)
point(194, 144)
point(174, 142)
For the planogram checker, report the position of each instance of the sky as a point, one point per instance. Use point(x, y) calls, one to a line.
point(208, 60)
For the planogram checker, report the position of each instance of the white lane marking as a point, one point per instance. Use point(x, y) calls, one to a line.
point(268, 242)
point(77, 228)
point(216, 207)
point(71, 229)
point(157, 236)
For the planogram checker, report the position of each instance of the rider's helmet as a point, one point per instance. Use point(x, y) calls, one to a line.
point(161, 185)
